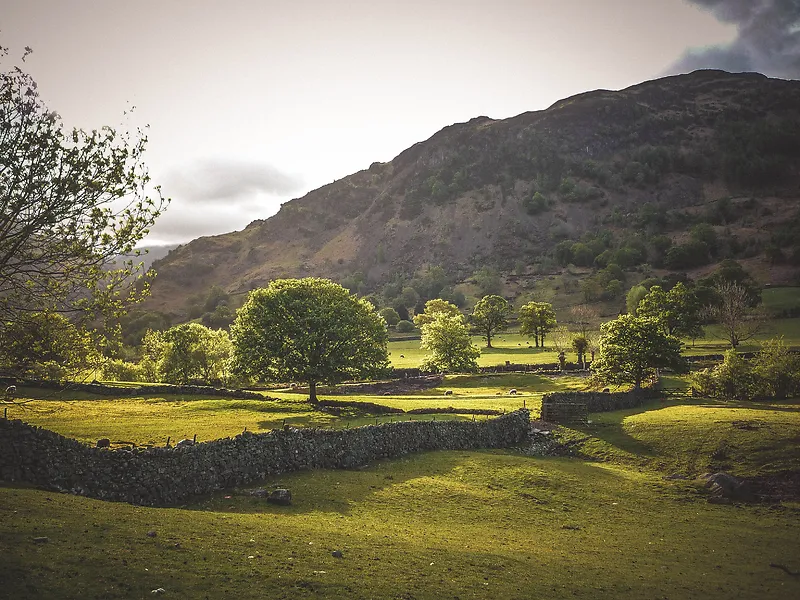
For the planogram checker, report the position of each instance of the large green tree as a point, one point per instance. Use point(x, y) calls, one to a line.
point(634, 348)
point(448, 342)
point(489, 316)
point(677, 311)
point(537, 319)
point(71, 204)
point(310, 330)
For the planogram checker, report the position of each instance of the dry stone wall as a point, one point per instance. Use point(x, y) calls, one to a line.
point(169, 476)
point(555, 405)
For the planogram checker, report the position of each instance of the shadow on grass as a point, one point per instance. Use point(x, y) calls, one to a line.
point(453, 476)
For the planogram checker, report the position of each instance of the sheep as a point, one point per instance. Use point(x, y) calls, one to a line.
point(402, 356)
point(448, 392)
point(11, 391)
point(512, 392)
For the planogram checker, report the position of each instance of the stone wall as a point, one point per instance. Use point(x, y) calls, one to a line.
point(594, 402)
point(138, 390)
point(169, 476)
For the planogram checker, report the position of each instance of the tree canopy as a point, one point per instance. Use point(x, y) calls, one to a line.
point(677, 311)
point(45, 346)
point(450, 347)
point(489, 316)
point(190, 351)
point(433, 308)
point(309, 330)
point(537, 319)
point(633, 348)
point(71, 204)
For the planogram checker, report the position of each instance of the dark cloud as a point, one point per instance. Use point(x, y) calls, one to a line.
point(768, 39)
point(221, 181)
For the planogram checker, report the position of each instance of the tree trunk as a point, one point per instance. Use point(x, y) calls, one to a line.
point(312, 391)
point(488, 339)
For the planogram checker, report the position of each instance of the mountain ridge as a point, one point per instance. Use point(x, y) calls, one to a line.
point(467, 196)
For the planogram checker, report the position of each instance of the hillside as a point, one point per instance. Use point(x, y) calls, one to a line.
point(626, 174)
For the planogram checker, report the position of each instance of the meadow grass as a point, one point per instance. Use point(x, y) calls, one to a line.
point(778, 299)
point(694, 436)
point(489, 524)
point(482, 524)
point(506, 346)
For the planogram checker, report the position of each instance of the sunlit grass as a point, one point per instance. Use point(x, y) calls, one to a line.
point(434, 525)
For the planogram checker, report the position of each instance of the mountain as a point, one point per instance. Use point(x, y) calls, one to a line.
point(700, 164)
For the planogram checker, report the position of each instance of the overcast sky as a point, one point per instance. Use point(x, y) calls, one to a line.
point(254, 102)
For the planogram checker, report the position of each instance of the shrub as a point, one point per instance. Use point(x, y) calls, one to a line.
point(120, 370)
point(404, 326)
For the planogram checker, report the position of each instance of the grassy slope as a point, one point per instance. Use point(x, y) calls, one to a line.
point(491, 524)
point(446, 524)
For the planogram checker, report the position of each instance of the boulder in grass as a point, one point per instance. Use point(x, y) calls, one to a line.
point(725, 485)
point(282, 497)
point(103, 443)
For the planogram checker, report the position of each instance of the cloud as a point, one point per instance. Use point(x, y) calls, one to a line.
point(212, 181)
point(768, 39)
point(186, 220)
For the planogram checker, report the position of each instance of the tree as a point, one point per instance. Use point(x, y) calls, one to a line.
point(584, 315)
point(677, 310)
point(310, 330)
point(580, 344)
point(489, 316)
point(404, 326)
point(190, 351)
point(447, 339)
point(71, 203)
point(488, 281)
point(633, 348)
point(732, 311)
point(390, 316)
point(45, 346)
point(433, 308)
point(537, 319)
point(634, 297)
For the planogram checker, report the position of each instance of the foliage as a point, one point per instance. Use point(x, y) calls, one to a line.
point(446, 337)
point(435, 307)
point(73, 203)
point(390, 316)
point(309, 330)
point(489, 316)
point(580, 344)
point(677, 310)
point(633, 298)
point(488, 281)
point(190, 351)
point(45, 345)
point(773, 373)
point(731, 379)
point(535, 204)
point(404, 326)
point(633, 348)
point(537, 319)
point(120, 370)
point(776, 371)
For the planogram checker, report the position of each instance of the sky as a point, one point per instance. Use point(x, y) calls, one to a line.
point(251, 103)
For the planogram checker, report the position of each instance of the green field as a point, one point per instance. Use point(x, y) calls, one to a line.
point(482, 524)
point(513, 347)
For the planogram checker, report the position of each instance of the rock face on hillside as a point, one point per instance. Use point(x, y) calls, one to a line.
point(653, 155)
